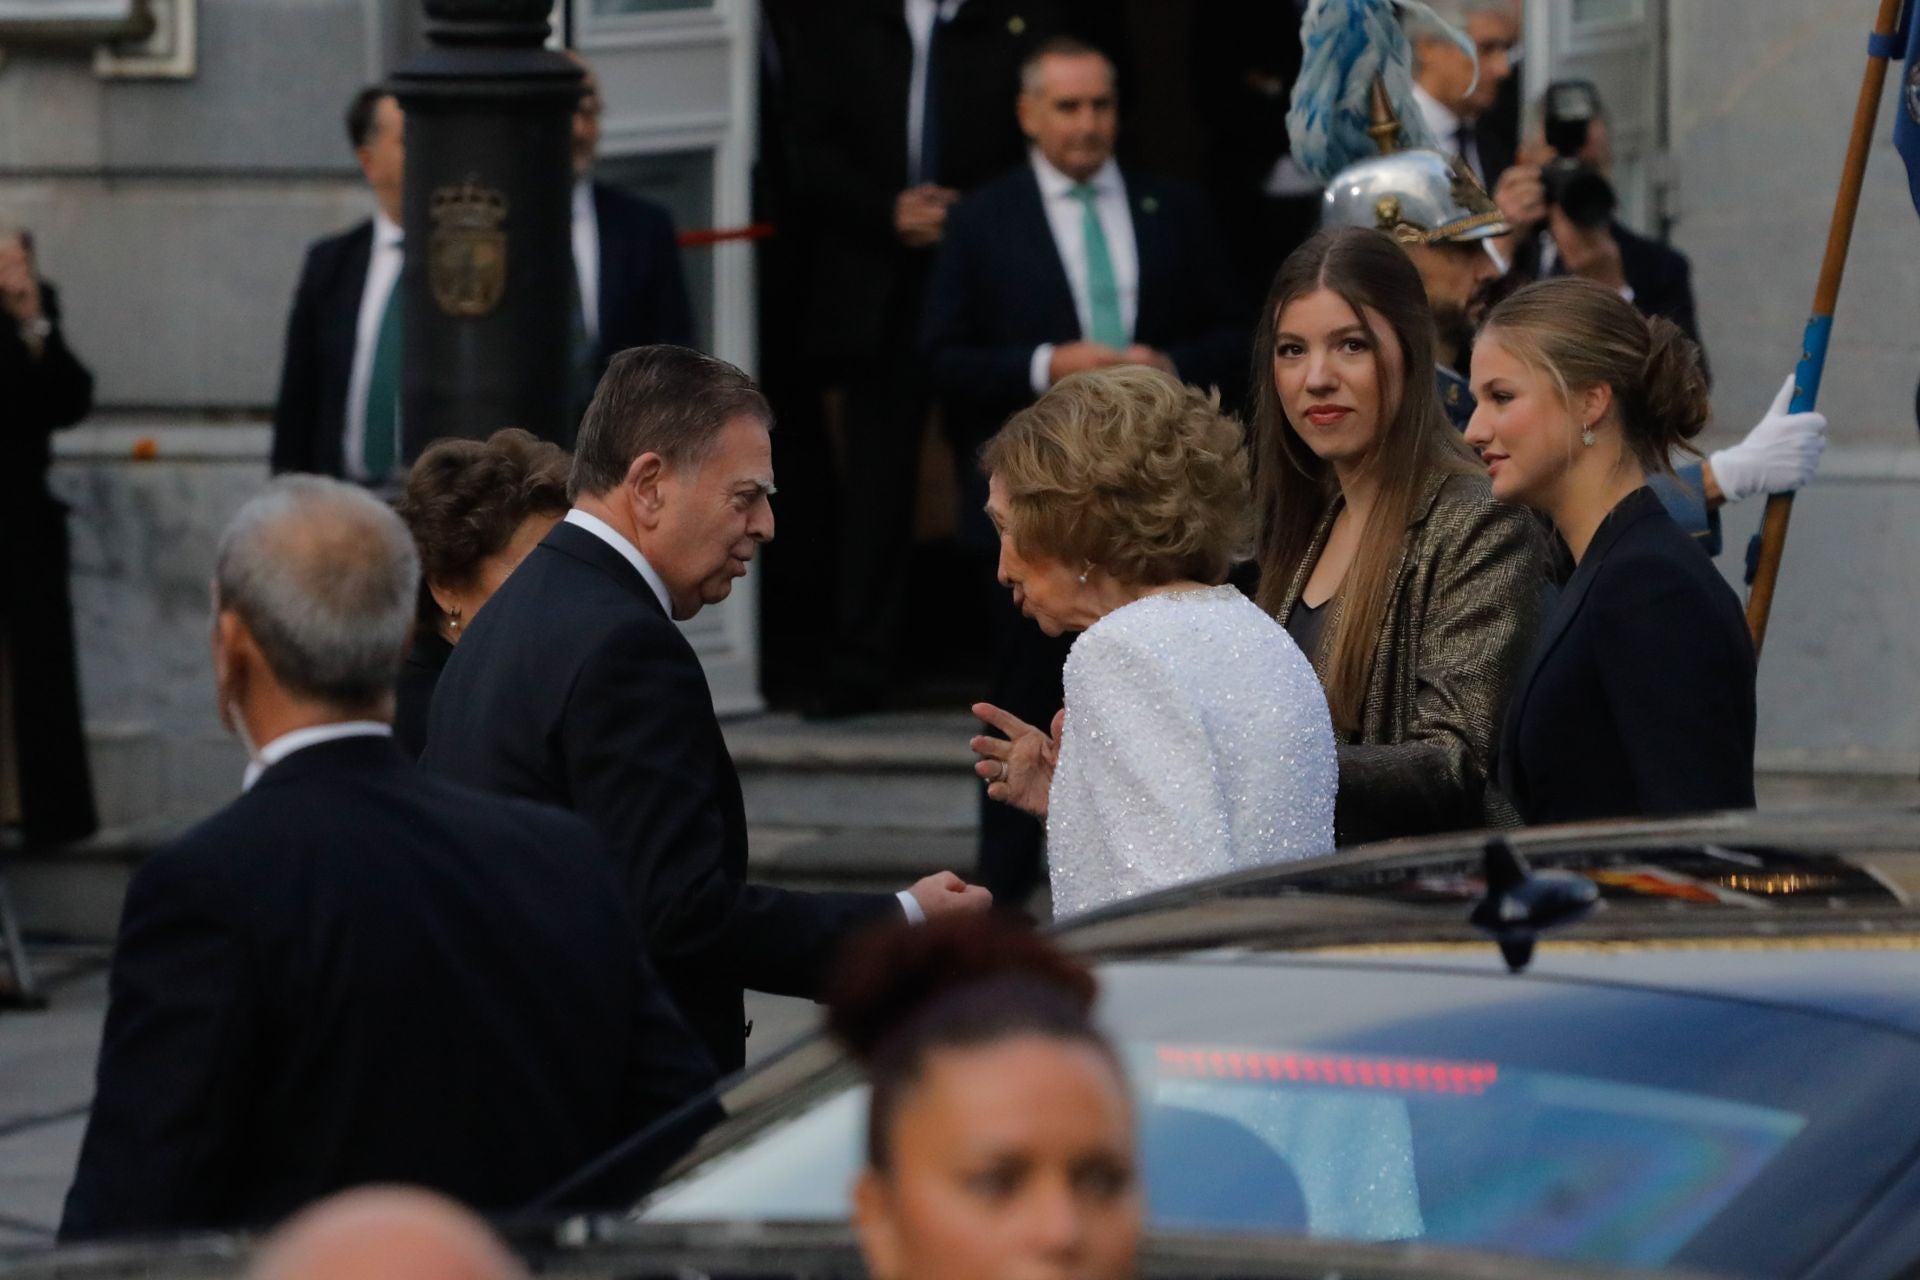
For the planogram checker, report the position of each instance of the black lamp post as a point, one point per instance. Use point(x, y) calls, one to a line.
point(487, 307)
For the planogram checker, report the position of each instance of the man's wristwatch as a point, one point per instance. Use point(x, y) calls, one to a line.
point(36, 329)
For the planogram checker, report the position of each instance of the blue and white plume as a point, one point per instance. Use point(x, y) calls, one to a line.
point(1345, 44)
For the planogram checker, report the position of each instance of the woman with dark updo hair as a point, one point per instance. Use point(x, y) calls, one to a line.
point(1000, 1131)
point(1639, 699)
point(475, 508)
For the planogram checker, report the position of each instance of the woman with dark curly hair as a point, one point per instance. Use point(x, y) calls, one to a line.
point(1000, 1131)
point(475, 508)
point(1195, 739)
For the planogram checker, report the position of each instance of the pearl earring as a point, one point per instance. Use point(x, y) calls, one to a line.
point(453, 621)
point(1084, 572)
point(1586, 435)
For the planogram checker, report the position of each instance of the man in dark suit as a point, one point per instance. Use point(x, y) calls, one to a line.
point(1066, 263)
point(574, 686)
point(338, 411)
point(629, 288)
point(44, 786)
point(358, 972)
point(899, 107)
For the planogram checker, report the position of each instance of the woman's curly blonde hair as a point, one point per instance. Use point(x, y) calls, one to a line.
point(1129, 470)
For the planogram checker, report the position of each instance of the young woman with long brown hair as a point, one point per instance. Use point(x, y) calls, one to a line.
point(1380, 547)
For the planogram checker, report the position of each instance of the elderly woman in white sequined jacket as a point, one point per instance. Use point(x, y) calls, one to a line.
point(1195, 738)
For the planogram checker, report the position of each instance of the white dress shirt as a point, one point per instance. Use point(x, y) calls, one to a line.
point(300, 739)
point(611, 536)
point(920, 15)
point(586, 255)
point(1065, 218)
point(1444, 125)
point(608, 534)
point(383, 273)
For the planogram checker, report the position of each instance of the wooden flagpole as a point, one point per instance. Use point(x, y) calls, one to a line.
point(1813, 349)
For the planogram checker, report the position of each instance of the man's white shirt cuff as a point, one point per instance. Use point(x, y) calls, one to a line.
point(911, 905)
point(1037, 368)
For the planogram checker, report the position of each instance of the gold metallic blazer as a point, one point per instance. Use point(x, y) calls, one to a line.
point(1468, 595)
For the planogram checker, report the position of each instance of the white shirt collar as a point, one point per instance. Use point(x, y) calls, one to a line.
point(583, 196)
point(1441, 122)
point(300, 739)
point(386, 232)
point(612, 537)
point(1055, 184)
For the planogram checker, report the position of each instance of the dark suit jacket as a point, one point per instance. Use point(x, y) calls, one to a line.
point(643, 295)
point(849, 78)
point(310, 413)
point(574, 687)
point(413, 692)
point(41, 396)
point(358, 972)
point(1000, 290)
point(1659, 275)
point(1639, 699)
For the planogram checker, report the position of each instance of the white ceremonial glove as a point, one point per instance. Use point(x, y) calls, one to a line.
point(1779, 455)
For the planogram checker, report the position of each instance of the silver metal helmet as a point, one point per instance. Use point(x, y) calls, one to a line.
point(1417, 197)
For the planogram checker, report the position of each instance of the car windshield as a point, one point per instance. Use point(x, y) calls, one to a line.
point(1357, 1099)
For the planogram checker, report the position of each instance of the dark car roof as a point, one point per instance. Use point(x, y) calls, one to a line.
point(1812, 909)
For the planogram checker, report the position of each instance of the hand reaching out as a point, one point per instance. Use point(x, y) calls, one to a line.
point(1019, 767)
point(946, 894)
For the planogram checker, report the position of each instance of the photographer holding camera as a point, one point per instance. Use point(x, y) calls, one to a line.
point(1580, 236)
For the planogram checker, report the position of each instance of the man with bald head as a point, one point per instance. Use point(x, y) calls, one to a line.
point(385, 1233)
point(357, 971)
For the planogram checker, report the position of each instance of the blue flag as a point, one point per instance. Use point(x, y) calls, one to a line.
point(1906, 116)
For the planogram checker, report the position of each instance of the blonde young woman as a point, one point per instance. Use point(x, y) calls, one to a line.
point(1639, 699)
point(1195, 739)
point(1381, 548)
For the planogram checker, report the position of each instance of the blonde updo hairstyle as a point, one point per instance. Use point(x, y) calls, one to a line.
point(1582, 335)
point(1129, 470)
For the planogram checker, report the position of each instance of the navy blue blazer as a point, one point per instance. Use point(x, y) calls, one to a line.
point(310, 411)
point(643, 293)
point(573, 686)
point(999, 290)
point(1639, 699)
point(358, 972)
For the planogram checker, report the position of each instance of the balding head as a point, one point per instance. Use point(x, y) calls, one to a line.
point(385, 1233)
point(323, 575)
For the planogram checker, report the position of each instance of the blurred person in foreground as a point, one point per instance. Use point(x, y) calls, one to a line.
point(1000, 1130)
point(338, 408)
point(1067, 263)
point(1195, 738)
point(356, 971)
point(575, 686)
point(475, 509)
point(44, 786)
point(384, 1233)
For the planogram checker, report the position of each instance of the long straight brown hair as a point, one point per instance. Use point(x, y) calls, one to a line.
point(1293, 487)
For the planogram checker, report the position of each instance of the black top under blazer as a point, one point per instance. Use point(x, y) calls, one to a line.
point(573, 686)
point(359, 972)
point(1000, 289)
point(1639, 699)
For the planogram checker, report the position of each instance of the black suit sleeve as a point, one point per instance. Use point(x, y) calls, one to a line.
point(962, 361)
point(296, 409)
point(1679, 685)
point(177, 1052)
point(641, 767)
point(837, 191)
point(57, 390)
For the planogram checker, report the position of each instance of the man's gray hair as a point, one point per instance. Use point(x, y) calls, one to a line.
point(1032, 66)
point(325, 577)
point(668, 400)
point(1420, 24)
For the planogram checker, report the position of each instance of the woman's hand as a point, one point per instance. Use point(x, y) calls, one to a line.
point(1019, 767)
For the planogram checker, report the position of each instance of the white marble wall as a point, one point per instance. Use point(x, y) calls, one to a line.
point(1762, 98)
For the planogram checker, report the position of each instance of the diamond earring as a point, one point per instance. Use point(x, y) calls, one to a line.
point(1586, 435)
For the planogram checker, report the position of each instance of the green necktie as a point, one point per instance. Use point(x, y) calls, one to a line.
point(380, 442)
point(1103, 295)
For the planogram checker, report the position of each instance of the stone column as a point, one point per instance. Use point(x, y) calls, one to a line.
point(489, 268)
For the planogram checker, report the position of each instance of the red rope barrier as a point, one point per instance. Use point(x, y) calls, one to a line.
point(720, 235)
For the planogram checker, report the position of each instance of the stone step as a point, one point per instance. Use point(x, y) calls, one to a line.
point(903, 772)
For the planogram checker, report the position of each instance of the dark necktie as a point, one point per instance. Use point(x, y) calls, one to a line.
point(1467, 144)
point(930, 100)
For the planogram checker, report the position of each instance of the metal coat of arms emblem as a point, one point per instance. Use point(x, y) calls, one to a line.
point(467, 252)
